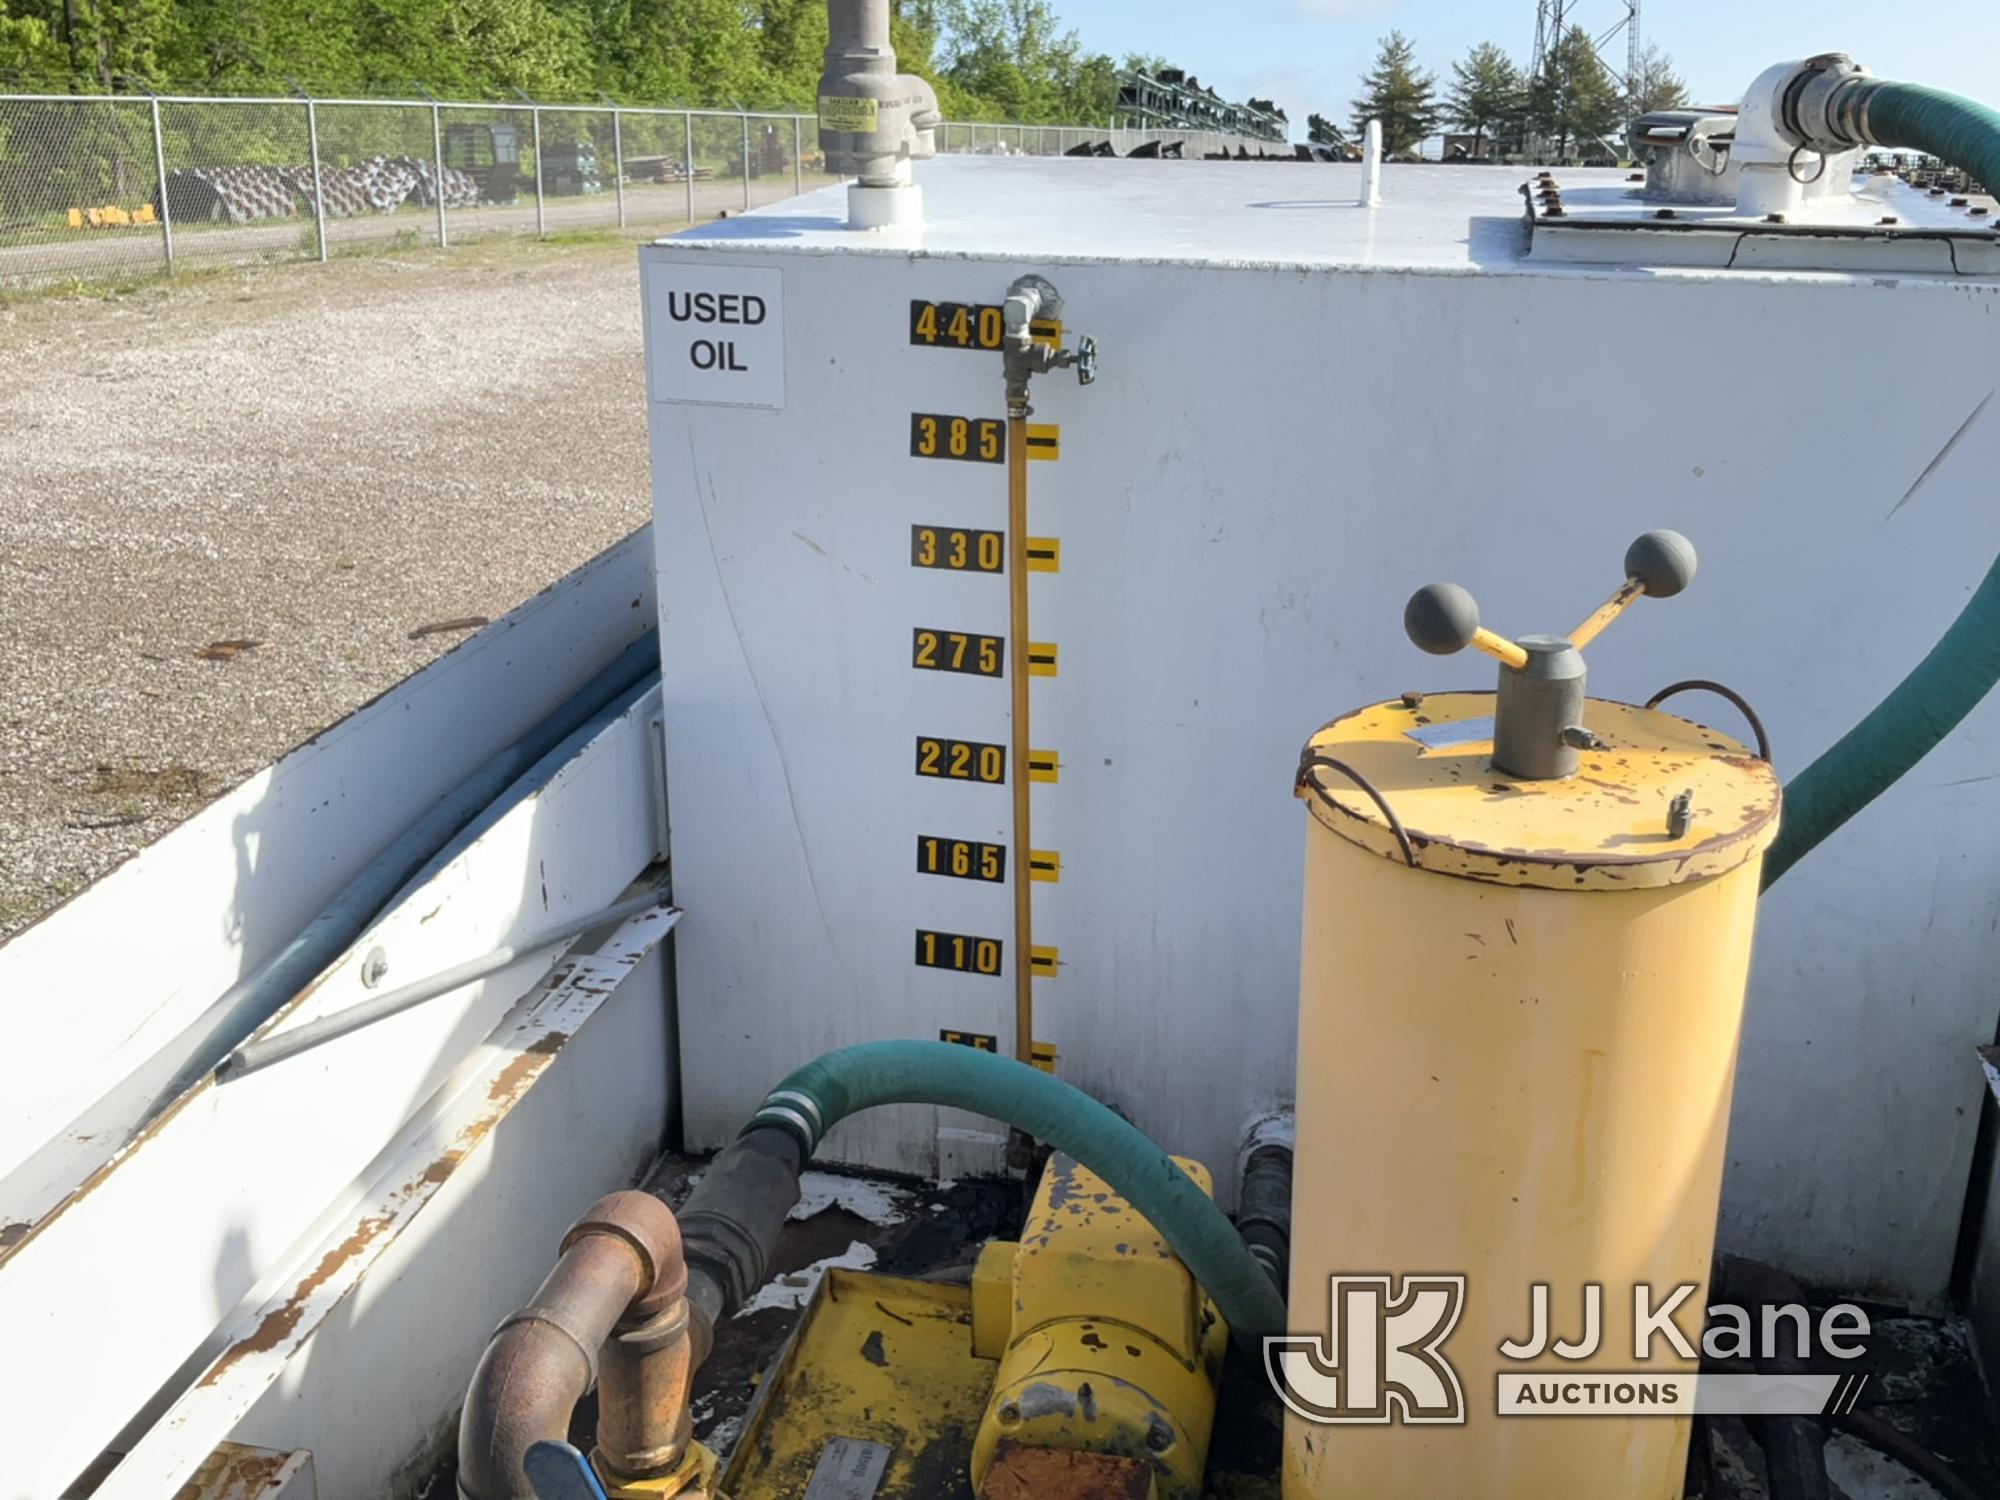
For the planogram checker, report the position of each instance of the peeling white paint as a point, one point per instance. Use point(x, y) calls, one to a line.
point(795, 1287)
point(877, 1202)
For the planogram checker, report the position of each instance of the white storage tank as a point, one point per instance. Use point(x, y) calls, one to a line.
point(1304, 408)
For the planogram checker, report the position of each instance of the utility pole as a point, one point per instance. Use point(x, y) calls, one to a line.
point(1549, 19)
point(1633, 62)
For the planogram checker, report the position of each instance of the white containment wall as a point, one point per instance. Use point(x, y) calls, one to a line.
point(1306, 409)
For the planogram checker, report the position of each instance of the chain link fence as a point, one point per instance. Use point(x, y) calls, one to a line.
point(104, 187)
point(1059, 140)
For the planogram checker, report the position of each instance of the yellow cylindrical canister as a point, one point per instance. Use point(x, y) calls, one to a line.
point(1517, 1042)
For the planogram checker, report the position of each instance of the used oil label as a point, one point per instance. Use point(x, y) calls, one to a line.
point(717, 335)
point(855, 116)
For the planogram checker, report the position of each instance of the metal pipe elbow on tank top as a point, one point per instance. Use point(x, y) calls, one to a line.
point(1538, 709)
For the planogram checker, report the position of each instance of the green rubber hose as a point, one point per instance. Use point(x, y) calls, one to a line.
point(1960, 669)
point(1907, 116)
point(816, 1097)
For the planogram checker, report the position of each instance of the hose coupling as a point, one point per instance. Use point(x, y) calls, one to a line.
point(1824, 108)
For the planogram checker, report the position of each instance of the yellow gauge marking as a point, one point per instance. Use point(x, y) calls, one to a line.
point(958, 549)
point(958, 951)
point(962, 760)
point(980, 440)
point(962, 859)
point(934, 650)
point(979, 326)
point(1045, 1053)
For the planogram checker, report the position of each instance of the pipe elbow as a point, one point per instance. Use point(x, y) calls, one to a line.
point(622, 1262)
point(523, 1390)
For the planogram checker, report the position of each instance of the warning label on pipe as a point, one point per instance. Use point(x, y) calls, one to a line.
point(715, 335)
point(854, 116)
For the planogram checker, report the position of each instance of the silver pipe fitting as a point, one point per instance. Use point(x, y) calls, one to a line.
point(873, 121)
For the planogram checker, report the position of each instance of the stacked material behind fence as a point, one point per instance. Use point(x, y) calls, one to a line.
point(107, 187)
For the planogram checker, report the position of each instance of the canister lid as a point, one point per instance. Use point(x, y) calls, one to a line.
point(1612, 826)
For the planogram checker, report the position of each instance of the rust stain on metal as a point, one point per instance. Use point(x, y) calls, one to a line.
point(234, 1472)
point(1596, 829)
point(1023, 1473)
point(277, 1325)
point(519, 1073)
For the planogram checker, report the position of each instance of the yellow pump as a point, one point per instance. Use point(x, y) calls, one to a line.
point(1527, 932)
point(1106, 1344)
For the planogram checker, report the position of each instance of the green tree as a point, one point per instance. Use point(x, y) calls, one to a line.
point(27, 50)
point(1656, 85)
point(1399, 94)
point(1015, 54)
point(988, 59)
point(1575, 101)
point(88, 44)
point(1486, 95)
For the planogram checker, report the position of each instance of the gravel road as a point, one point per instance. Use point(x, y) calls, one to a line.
point(320, 460)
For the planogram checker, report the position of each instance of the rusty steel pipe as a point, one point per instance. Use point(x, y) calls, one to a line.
point(620, 1264)
point(643, 1380)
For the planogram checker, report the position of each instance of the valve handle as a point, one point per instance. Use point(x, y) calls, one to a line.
point(1086, 360)
point(559, 1472)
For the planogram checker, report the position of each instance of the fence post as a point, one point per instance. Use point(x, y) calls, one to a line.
point(541, 217)
point(687, 120)
point(437, 166)
point(746, 161)
point(618, 161)
point(160, 171)
point(798, 156)
point(319, 194)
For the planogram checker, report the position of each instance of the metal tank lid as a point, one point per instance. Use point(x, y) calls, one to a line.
point(1613, 826)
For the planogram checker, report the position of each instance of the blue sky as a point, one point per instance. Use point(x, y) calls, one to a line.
point(1307, 54)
